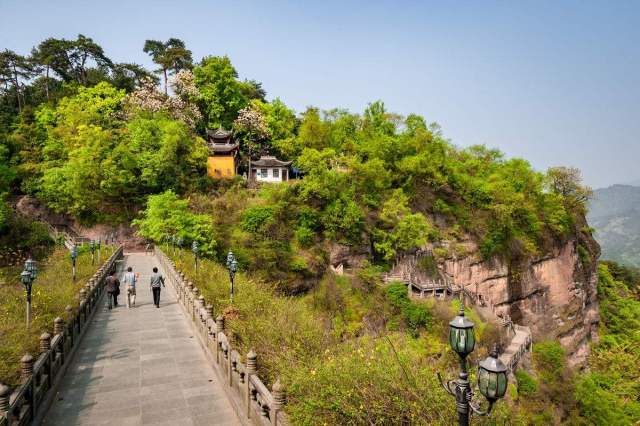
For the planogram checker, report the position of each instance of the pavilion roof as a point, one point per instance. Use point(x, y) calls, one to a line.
point(269, 161)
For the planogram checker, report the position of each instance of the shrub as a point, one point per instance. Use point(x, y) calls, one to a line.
point(414, 315)
point(305, 236)
point(256, 219)
point(549, 357)
point(527, 385)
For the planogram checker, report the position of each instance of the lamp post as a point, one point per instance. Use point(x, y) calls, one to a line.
point(99, 248)
point(195, 248)
point(92, 245)
point(27, 277)
point(492, 373)
point(74, 256)
point(232, 266)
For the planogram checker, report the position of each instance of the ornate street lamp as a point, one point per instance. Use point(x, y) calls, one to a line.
point(492, 373)
point(232, 266)
point(195, 248)
point(92, 246)
point(74, 256)
point(99, 248)
point(27, 277)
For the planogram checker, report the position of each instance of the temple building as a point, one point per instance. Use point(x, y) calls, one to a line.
point(223, 154)
point(270, 169)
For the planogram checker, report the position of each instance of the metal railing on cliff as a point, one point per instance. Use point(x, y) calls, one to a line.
point(252, 400)
point(41, 375)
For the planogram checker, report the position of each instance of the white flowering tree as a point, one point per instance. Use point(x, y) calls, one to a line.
point(180, 106)
point(252, 129)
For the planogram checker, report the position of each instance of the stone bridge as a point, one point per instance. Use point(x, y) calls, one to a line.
point(171, 365)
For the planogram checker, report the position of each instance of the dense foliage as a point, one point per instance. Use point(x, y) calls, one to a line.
point(610, 392)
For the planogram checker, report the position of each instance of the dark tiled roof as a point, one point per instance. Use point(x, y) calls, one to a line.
point(268, 161)
point(219, 133)
point(220, 148)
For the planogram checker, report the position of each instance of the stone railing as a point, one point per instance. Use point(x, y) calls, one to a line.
point(40, 376)
point(524, 340)
point(253, 401)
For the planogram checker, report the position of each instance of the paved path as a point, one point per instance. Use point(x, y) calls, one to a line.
point(141, 366)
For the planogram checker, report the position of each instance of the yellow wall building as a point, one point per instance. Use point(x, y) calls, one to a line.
point(223, 154)
point(221, 167)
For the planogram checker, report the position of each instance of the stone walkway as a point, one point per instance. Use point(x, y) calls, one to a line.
point(141, 366)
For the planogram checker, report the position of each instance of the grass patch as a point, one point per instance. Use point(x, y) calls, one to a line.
point(338, 350)
point(53, 289)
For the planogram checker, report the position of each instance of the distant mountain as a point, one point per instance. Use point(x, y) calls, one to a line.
point(614, 212)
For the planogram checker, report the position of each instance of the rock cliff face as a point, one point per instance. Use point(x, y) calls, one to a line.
point(555, 295)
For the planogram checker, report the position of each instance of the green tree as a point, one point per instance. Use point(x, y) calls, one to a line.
point(166, 214)
point(170, 55)
point(221, 94)
point(14, 68)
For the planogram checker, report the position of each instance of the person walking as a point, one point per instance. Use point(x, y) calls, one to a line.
point(130, 279)
point(156, 280)
point(113, 286)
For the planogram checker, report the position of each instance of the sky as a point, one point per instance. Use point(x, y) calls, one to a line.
point(556, 83)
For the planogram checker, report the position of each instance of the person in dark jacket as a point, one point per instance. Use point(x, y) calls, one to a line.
point(113, 288)
point(156, 280)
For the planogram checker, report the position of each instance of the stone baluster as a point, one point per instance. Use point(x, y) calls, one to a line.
point(279, 397)
point(5, 395)
point(58, 325)
point(202, 303)
point(193, 301)
point(219, 329)
point(250, 370)
point(208, 318)
point(45, 342)
point(26, 367)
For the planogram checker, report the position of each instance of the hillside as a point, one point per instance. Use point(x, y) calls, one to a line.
point(614, 213)
point(372, 193)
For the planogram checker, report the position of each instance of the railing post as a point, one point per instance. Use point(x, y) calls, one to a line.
point(58, 325)
point(45, 342)
point(26, 367)
point(250, 370)
point(219, 329)
point(279, 398)
point(5, 395)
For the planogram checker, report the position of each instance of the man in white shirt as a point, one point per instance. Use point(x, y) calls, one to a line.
point(130, 280)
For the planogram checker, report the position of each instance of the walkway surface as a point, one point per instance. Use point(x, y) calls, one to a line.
point(141, 366)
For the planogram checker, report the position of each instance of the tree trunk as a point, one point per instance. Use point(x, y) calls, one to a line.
point(17, 86)
point(164, 70)
point(46, 84)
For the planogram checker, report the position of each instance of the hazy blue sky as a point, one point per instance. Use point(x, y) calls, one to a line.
point(557, 83)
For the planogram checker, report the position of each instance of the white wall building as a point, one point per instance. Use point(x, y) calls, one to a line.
point(270, 169)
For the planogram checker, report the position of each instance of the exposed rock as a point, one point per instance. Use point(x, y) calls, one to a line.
point(554, 295)
point(348, 256)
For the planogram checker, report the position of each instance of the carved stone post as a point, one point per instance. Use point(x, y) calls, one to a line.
point(219, 329)
point(58, 325)
point(26, 367)
point(279, 398)
point(201, 311)
point(252, 368)
point(5, 394)
point(83, 294)
point(193, 300)
point(209, 309)
point(45, 342)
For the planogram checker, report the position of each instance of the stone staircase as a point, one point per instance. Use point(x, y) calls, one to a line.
point(520, 344)
point(521, 339)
